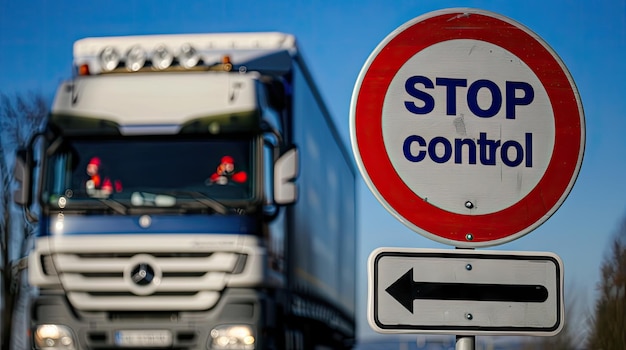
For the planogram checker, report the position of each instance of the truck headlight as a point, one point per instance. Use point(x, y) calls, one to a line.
point(188, 56)
point(162, 58)
point(53, 337)
point(232, 337)
point(135, 58)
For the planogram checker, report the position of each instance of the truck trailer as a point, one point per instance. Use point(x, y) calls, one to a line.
point(191, 192)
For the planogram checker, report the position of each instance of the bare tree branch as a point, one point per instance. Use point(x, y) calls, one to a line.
point(609, 321)
point(20, 117)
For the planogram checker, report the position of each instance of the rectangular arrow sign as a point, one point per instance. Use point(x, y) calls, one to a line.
point(465, 292)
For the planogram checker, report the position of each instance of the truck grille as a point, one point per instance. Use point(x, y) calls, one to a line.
point(164, 279)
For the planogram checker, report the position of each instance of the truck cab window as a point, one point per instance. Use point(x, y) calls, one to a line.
point(118, 168)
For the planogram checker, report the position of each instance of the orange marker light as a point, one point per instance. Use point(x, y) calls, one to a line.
point(83, 69)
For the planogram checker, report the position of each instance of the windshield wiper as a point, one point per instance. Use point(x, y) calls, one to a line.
point(115, 205)
point(211, 203)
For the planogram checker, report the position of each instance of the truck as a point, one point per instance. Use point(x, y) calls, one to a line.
point(191, 191)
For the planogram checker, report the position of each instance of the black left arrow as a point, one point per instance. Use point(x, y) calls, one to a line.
point(405, 290)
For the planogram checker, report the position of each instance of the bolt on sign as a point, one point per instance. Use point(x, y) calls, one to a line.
point(467, 127)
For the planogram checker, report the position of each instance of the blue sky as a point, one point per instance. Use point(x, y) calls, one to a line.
point(336, 38)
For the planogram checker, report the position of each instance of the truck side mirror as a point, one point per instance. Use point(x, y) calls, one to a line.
point(285, 172)
point(23, 175)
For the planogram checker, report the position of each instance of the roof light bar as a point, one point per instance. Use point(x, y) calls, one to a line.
point(174, 52)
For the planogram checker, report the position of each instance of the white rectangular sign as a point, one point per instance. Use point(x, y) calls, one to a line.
point(465, 292)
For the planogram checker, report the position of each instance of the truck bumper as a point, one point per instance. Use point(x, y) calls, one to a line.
point(185, 330)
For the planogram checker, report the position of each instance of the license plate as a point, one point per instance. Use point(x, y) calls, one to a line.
point(143, 338)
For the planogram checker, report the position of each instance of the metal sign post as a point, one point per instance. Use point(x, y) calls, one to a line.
point(465, 342)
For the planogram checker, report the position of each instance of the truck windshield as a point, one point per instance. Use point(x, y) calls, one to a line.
point(148, 172)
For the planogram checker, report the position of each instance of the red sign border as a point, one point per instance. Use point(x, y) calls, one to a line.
point(368, 144)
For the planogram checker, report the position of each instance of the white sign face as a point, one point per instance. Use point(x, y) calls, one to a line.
point(465, 134)
point(465, 292)
point(467, 127)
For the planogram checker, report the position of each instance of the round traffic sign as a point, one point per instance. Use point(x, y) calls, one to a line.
point(467, 127)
